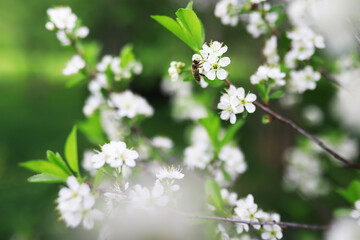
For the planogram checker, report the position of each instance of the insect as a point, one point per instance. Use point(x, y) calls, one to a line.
point(195, 66)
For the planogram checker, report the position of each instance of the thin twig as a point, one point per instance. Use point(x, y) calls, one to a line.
point(303, 132)
point(253, 223)
point(327, 75)
point(306, 134)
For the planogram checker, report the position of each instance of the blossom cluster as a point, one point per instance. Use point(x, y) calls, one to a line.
point(64, 21)
point(114, 64)
point(211, 60)
point(269, 75)
point(200, 153)
point(76, 204)
point(247, 210)
point(235, 101)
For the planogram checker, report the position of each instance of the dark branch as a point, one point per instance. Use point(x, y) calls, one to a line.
point(308, 135)
point(252, 223)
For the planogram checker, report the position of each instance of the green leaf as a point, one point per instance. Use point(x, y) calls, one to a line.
point(190, 5)
point(126, 55)
point(187, 27)
point(342, 212)
point(171, 25)
point(74, 82)
point(213, 194)
point(92, 129)
point(277, 94)
point(193, 25)
point(227, 176)
point(278, 8)
point(352, 193)
point(212, 126)
point(45, 178)
point(57, 159)
point(71, 151)
point(266, 119)
point(91, 52)
point(231, 131)
point(43, 166)
point(262, 90)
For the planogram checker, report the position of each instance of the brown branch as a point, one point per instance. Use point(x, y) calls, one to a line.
point(303, 132)
point(253, 223)
point(327, 75)
point(306, 134)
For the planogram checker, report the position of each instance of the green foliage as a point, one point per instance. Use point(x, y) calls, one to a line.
point(91, 52)
point(57, 159)
point(231, 131)
point(212, 126)
point(352, 193)
point(71, 154)
point(342, 212)
point(187, 27)
point(98, 177)
point(43, 166)
point(126, 55)
point(91, 128)
point(45, 178)
point(74, 82)
point(213, 194)
point(265, 119)
point(277, 94)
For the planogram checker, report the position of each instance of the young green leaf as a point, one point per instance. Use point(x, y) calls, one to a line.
point(58, 161)
point(193, 26)
point(171, 25)
point(352, 193)
point(126, 55)
point(190, 5)
point(92, 129)
point(98, 177)
point(212, 126)
point(91, 52)
point(71, 151)
point(277, 94)
point(74, 82)
point(43, 166)
point(45, 178)
point(231, 131)
point(213, 194)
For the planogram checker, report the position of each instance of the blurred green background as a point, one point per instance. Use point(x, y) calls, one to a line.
point(37, 111)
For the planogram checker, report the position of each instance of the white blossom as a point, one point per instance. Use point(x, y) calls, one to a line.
point(130, 105)
point(257, 26)
point(63, 38)
point(270, 51)
point(75, 64)
point(272, 232)
point(62, 18)
point(265, 73)
point(356, 212)
point(303, 80)
point(76, 204)
point(92, 103)
point(246, 210)
point(143, 198)
point(162, 142)
point(116, 155)
point(50, 26)
point(197, 156)
point(168, 176)
point(175, 70)
point(343, 228)
point(87, 162)
point(82, 32)
point(212, 62)
point(226, 10)
point(235, 101)
point(229, 198)
point(234, 160)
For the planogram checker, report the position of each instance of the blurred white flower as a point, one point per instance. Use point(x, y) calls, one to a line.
point(175, 69)
point(82, 32)
point(87, 163)
point(356, 212)
point(229, 198)
point(226, 10)
point(130, 105)
point(246, 210)
point(162, 142)
point(234, 160)
point(62, 18)
point(265, 73)
point(304, 79)
point(75, 64)
point(76, 204)
point(257, 26)
point(270, 51)
point(343, 228)
point(197, 156)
